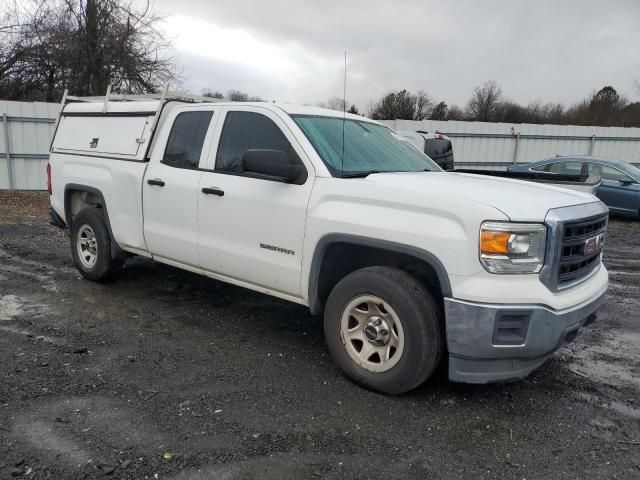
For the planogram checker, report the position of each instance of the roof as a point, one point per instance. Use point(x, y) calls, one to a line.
point(96, 105)
point(586, 158)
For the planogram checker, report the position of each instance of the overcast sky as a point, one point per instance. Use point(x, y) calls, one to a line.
point(293, 50)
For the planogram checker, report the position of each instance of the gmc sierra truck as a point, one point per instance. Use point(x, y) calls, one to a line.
point(409, 265)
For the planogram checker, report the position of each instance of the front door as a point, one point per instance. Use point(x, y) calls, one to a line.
point(618, 191)
point(252, 229)
point(170, 189)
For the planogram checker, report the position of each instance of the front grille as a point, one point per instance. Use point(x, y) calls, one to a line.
point(576, 262)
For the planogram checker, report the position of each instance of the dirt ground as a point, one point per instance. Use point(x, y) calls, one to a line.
point(165, 374)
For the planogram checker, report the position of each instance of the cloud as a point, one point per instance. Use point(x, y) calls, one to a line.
point(292, 50)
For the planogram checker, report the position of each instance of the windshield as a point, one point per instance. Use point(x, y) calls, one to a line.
point(368, 147)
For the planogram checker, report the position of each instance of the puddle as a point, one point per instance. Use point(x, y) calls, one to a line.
point(41, 272)
point(614, 405)
point(43, 338)
point(622, 287)
point(10, 306)
point(47, 283)
point(42, 437)
point(621, 272)
point(614, 361)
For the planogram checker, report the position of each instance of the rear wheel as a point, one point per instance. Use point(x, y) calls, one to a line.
point(91, 247)
point(383, 329)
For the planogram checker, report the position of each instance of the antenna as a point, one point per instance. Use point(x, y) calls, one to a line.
point(344, 112)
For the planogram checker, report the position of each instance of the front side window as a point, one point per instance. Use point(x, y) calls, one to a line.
point(353, 147)
point(184, 145)
point(244, 131)
point(607, 173)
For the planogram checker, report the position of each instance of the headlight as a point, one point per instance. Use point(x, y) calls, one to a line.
point(512, 247)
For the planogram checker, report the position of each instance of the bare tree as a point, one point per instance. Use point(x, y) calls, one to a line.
point(207, 92)
point(82, 45)
point(485, 101)
point(455, 113)
point(238, 96)
point(423, 106)
point(334, 103)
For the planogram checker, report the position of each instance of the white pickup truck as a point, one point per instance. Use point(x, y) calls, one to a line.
point(408, 264)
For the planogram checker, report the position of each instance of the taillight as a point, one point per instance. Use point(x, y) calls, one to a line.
point(49, 178)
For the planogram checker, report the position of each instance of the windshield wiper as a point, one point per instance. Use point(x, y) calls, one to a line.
point(362, 174)
point(366, 173)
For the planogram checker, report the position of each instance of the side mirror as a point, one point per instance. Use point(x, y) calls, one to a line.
point(626, 182)
point(271, 163)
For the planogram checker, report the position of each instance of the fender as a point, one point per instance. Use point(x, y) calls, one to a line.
point(115, 248)
point(430, 259)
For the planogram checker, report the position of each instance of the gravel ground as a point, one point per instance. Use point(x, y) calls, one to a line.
point(165, 374)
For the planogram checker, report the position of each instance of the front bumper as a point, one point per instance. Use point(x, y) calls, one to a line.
point(503, 342)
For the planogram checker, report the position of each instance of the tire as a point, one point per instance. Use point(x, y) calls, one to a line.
point(408, 311)
point(91, 247)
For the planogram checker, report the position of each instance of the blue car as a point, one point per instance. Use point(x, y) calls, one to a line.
point(620, 188)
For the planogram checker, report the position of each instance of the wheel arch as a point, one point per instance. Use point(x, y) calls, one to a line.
point(353, 252)
point(76, 197)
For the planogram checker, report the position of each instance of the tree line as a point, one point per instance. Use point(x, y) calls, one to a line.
point(604, 107)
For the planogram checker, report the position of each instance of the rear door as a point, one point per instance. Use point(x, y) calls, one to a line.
point(252, 229)
point(170, 189)
point(618, 191)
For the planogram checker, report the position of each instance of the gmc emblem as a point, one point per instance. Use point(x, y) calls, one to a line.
point(593, 244)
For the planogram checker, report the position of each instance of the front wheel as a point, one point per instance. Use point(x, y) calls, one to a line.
point(383, 329)
point(91, 247)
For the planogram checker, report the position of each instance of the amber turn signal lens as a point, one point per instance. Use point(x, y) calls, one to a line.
point(494, 243)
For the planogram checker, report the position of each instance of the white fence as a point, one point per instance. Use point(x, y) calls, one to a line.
point(496, 145)
point(26, 129)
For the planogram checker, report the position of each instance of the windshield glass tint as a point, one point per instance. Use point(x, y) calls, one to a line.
point(367, 147)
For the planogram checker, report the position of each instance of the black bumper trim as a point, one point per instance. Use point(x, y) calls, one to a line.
point(55, 220)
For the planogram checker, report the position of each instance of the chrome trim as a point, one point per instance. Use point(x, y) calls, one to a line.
point(555, 220)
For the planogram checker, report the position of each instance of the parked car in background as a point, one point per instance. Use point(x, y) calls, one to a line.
point(439, 148)
point(436, 145)
point(620, 188)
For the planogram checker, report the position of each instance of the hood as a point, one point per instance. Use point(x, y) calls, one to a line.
point(519, 200)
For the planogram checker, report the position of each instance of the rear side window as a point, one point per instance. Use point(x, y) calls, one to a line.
point(186, 139)
point(246, 131)
point(567, 168)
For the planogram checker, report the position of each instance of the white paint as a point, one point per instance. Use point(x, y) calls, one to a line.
point(437, 212)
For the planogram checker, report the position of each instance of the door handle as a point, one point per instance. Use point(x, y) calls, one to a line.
point(213, 191)
point(155, 181)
